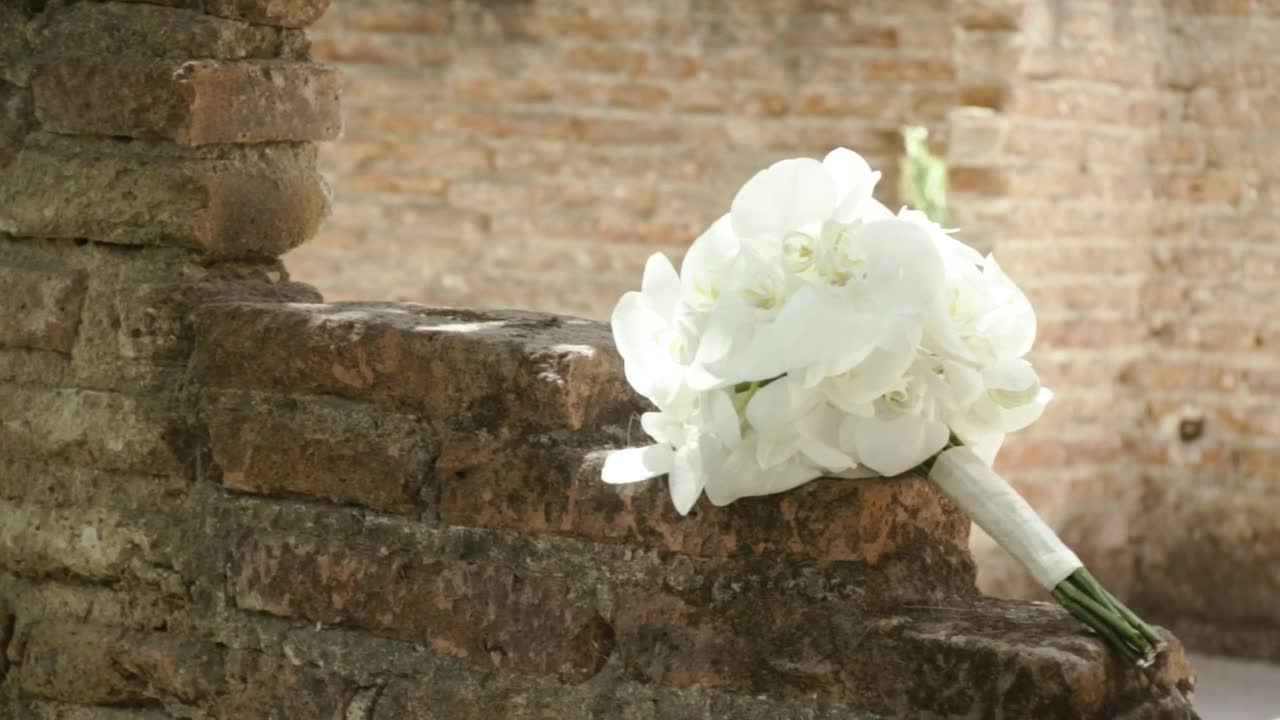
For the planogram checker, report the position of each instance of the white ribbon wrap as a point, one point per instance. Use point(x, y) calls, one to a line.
point(997, 508)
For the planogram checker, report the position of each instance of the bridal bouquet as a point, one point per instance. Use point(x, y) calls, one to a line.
point(811, 332)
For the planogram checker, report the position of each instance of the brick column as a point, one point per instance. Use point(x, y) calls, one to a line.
point(152, 157)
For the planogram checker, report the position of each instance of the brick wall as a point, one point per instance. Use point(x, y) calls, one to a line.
point(1127, 184)
point(222, 497)
point(534, 154)
point(1208, 440)
point(1112, 154)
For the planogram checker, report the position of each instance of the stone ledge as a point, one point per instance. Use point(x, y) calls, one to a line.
point(501, 372)
point(194, 102)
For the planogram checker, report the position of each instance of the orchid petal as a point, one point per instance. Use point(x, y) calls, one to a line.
point(895, 445)
point(854, 182)
point(635, 464)
point(685, 480)
point(785, 196)
point(906, 272)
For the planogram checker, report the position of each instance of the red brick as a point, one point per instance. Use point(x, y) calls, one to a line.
point(1174, 148)
point(1209, 189)
point(197, 102)
point(979, 181)
point(1229, 109)
point(1045, 143)
point(433, 159)
point(487, 615)
point(865, 104)
point(436, 219)
point(855, 35)
point(1092, 333)
point(40, 309)
point(1222, 335)
point(1261, 422)
point(401, 17)
point(619, 131)
point(638, 95)
point(491, 91)
point(613, 27)
point(990, 14)
point(1260, 267)
point(908, 70)
point(366, 49)
point(1074, 104)
point(1181, 376)
point(395, 183)
point(985, 95)
point(1059, 300)
point(607, 60)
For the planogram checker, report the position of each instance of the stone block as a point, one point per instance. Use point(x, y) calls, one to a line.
point(196, 102)
point(503, 371)
point(487, 615)
point(91, 664)
point(284, 13)
point(318, 448)
point(127, 29)
point(544, 487)
point(98, 429)
point(40, 309)
point(250, 201)
point(102, 665)
point(261, 686)
point(94, 544)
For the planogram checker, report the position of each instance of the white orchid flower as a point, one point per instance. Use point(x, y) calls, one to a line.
point(656, 336)
point(789, 419)
point(904, 429)
point(742, 476)
point(688, 450)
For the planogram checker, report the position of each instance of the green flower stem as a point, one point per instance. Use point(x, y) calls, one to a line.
point(1089, 602)
point(1081, 613)
point(1124, 612)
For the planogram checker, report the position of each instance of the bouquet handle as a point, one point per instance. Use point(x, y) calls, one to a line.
point(998, 509)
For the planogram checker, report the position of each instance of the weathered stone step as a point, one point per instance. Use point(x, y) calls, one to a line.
point(494, 371)
point(985, 659)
